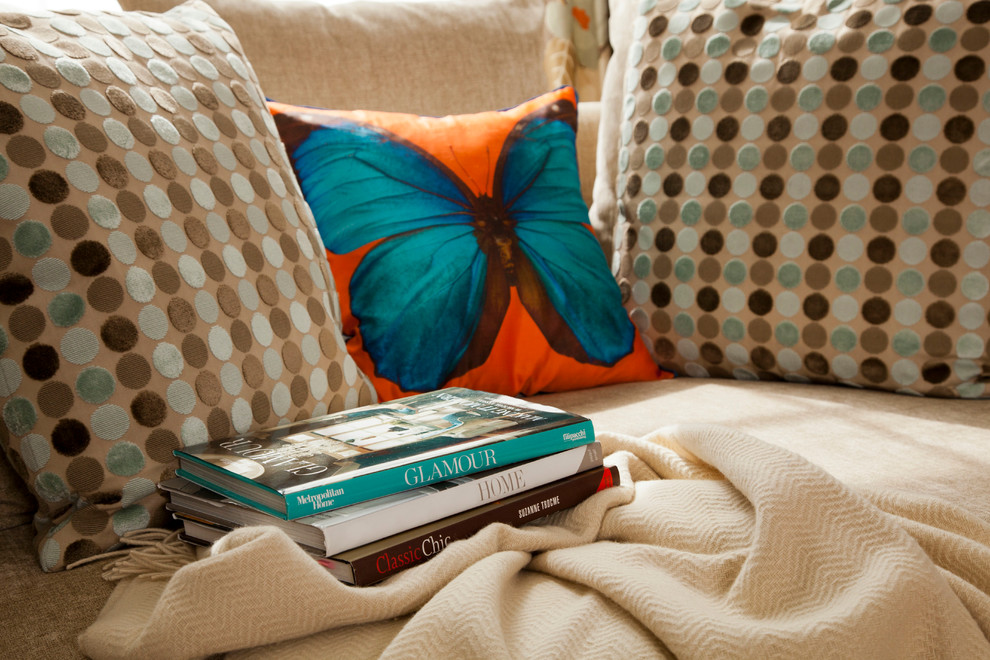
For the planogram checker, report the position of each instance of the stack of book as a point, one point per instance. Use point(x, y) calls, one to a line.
point(374, 490)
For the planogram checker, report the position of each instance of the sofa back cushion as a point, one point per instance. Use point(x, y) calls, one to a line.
point(161, 279)
point(803, 194)
point(430, 57)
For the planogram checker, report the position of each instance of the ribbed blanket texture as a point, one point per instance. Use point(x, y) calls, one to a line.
point(716, 545)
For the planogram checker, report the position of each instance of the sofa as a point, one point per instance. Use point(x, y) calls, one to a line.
point(905, 438)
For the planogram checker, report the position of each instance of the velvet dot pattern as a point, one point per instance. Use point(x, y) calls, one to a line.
point(154, 247)
point(804, 196)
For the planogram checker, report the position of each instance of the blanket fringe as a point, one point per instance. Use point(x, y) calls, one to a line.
point(156, 554)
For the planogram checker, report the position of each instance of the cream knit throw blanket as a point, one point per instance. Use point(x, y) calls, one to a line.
point(776, 559)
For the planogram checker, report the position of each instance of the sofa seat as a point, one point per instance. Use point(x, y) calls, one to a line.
point(875, 442)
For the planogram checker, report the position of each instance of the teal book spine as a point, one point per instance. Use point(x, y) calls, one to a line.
point(359, 488)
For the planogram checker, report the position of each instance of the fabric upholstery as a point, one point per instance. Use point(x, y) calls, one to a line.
point(803, 195)
point(161, 281)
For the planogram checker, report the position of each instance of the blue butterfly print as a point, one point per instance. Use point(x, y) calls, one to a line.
point(431, 297)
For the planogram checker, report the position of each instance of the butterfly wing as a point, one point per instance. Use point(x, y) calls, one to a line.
point(563, 280)
point(419, 295)
point(365, 183)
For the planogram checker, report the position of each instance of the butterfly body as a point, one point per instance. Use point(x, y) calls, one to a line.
point(461, 247)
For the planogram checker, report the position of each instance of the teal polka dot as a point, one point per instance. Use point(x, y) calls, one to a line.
point(843, 339)
point(922, 159)
point(821, 43)
point(906, 343)
point(757, 99)
point(859, 157)
point(910, 282)
point(789, 275)
point(769, 47)
point(651, 184)
point(104, 212)
point(646, 211)
point(981, 162)
point(740, 214)
point(931, 98)
point(880, 41)
point(95, 385)
point(684, 325)
point(787, 333)
point(654, 157)
point(975, 286)
point(748, 157)
point(129, 519)
point(802, 157)
point(50, 487)
point(66, 309)
point(4, 167)
point(698, 156)
point(916, 221)
point(662, 102)
point(32, 239)
point(684, 269)
point(868, 97)
point(810, 98)
point(691, 212)
point(14, 79)
point(847, 279)
point(20, 416)
point(795, 216)
point(707, 100)
point(853, 218)
point(642, 266)
point(978, 224)
point(942, 39)
point(735, 272)
point(125, 459)
point(671, 48)
point(986, 101)
point(733, 329)
point(718, 45)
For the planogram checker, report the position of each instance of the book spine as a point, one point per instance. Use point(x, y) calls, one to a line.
point(360, 529)
point(356, 489)
point(379, 563)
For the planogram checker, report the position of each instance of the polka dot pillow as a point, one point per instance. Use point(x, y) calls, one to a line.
point(804, 190)
point(161, 281)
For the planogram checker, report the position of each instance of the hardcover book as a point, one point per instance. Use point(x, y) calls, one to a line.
point(375, 561)
point(328, 462)
point(350, 526)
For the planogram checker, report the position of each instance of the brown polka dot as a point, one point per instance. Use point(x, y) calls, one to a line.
point(938, 344)
point(873, 370)
point(260, 184)
point(883, 219)
point(26, 323)
point(874, 340)
point(186, 129)
point(244, 156)
point(818, 276)
point(131, 206)
point(260, 407)
point(328, 344)
point(43, 74)
point(964, 98)
point(15, 288)
point(166, 278)
point(205, 96)
point(936, 372)
point(208, 388)
point(942, 283)
point(148, 409)
point(119, 334)
point(68, 105)
point(876, 310)
point(229, 301)
point(218, 424)
point(878, 280)
point(281, 325)
point(816, 307)
point(954, 160)
point(292, 357)
point(181, 314)
point(253, 371)
point(213, 266)
point(72, 49)
point(951, 191)
point(25, 151)
point(253, 257)
point(316, 312)
point(91, 137)
point(142, 132)
point(911, 40)
point(732, 99)
point(11, 119)
point(85, 474)
point(720, 185)
point(298, 390)
point(70, 437)
point(205, 160)
point(761, 272)
point(160, 444)
point(827, 187)
point(149, 242)
point(850, 42)
point(18, 47)
point(238, 224)
point(975, 39)
point(194, 351)
point(55, 399)
point(816, 364)
point(890, 157)
point(112, 171)
point(947, 222)
point(940, 314)
point(267, 290)
point(222, 191)
point(959, 129)
point(105, 295)
point(241, 336)
point(69, 222)
point(89, 258)
point(162, 164)
point(711, 353)
point(814, 336)
point(648, 78)
point(40, 361)
point(6, 253)
point(783, 99)
point(164, 100)
point(335, 375)
point(970, 68)
point(133, 371)
point(887, 189)
point(788, 72)
point(708, 326)
point(945, 253)
point(302, 279)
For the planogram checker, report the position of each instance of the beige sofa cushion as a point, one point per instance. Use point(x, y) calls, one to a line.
point(426, 58)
